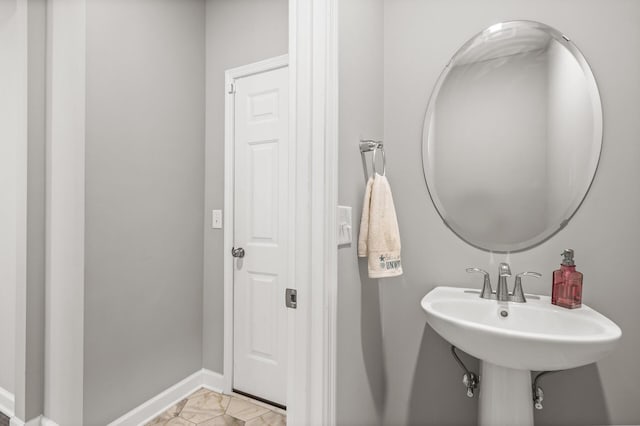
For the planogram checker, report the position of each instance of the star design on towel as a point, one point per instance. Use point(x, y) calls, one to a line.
point(382, 258)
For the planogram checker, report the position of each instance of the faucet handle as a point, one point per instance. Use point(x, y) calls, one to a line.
point(518, 293)
point(486, 286)
point(504, 270)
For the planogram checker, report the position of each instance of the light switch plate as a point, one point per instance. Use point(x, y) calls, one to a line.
point(344, 225)
point(216, 219)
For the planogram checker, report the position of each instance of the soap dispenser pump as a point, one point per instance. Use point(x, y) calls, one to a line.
point(567, 283)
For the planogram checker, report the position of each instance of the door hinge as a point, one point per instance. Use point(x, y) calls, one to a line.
point(232, 89)
point(291, 298)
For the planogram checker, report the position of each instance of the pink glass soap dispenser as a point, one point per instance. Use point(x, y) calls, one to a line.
point(567, 283)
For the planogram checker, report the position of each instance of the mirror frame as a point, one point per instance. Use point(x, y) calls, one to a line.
point(596, 103)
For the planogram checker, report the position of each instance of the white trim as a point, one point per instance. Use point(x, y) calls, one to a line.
point(20, 300)
point(229, 105)
point(13, 125)
point(36, 421)
point(256, 68)
point(7, 402)
point(331, 202)
point(313, 70)
point(167, 398)
point(297, 352)
point(231, 76)
point(45, 421)
point(213, 381)
point(65, 208)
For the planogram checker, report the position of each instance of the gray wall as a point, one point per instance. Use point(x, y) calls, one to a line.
point(422, 383)
point(239, 32)
point(144, 184)
point(35, 291)
point(361, 377)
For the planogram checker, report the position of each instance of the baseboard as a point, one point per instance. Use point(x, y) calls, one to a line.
point(7, 407)
point(212, 381)
point(7, 402)
point(159, 403)
point(37, 421)
point(139, 415)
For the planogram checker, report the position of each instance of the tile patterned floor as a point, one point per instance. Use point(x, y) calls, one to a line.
point(208, 408)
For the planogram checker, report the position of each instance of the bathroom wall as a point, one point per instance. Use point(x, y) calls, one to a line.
point(422, 382)
point(238, 32)
point(145, 85)
point(361, 380)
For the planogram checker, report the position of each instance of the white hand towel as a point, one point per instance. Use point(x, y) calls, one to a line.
point(379, 238)
point(364, 221)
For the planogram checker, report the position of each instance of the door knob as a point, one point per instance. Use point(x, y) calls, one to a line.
point(237, 252)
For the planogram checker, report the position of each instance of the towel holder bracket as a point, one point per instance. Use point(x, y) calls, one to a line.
point(369, 145)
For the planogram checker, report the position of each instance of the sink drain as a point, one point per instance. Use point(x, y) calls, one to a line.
point(504, 314)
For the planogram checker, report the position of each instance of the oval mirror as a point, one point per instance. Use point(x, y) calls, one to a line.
point(512, 136)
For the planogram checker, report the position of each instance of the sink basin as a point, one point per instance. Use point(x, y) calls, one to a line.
point(512, 339)
point(534, 336)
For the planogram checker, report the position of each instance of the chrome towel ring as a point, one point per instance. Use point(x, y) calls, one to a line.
point(384, 160)
point(368, 145)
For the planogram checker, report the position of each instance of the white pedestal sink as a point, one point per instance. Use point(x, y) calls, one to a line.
point(513, 339)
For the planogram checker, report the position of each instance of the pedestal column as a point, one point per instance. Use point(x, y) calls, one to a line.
point(505, 396)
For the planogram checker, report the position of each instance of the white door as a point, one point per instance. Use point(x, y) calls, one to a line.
point(261, 230)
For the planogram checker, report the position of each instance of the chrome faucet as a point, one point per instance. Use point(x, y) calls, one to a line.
point(504, 271)
point(518, 294)
point(487, 291)
point(502, 293)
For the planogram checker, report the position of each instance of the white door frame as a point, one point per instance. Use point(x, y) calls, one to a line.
point(230, 77)
point(313, 73)
point(15, 33)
